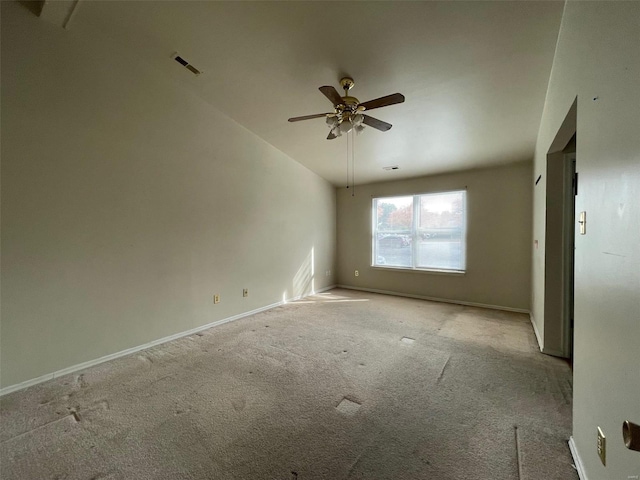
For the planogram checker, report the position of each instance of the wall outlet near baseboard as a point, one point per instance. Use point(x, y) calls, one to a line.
point(602, 447)
point(357, 273)
point(216, 298)
point(245, 292)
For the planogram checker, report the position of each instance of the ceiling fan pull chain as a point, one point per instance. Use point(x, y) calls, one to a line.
point(347, 160)
point(353, 164)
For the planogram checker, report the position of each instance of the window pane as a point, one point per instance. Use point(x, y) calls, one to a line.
point(394, 224)
point(441, 235)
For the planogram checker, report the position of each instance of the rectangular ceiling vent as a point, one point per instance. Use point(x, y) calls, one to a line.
point(392, 167)
point(186, 64)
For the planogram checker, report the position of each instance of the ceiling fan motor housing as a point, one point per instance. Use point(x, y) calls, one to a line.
point(351, 102)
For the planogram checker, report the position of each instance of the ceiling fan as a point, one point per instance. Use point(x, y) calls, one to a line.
point(347, 111)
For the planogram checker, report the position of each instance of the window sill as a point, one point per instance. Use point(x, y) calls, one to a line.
point(456, 273)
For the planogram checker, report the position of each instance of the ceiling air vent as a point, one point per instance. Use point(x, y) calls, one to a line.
point(392, 167)
point(186, 64)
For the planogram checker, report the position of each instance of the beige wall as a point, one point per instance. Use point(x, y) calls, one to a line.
point(498, 238)
point(598, 60)
point(127, 202)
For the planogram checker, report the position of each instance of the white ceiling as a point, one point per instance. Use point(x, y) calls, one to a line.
point(474, 74)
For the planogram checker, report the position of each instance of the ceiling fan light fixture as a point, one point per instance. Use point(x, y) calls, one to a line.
point(346, 126)
point(332, 121)
point(359, 129)
point(336, 131)
point(357, 119)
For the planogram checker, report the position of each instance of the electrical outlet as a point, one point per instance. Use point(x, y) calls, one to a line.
point(245, 292)
point(357, 273)
point(602, 447)
point(216, 298)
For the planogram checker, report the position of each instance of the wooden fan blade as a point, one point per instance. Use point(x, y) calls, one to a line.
point(331, 136)
point(383, 101)
point(308, 117)
point(332, 94)
point(375, 123)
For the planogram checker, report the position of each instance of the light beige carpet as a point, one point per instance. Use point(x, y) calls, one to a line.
point(341, 385)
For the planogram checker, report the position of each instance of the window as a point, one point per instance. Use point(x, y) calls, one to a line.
point(422, 232)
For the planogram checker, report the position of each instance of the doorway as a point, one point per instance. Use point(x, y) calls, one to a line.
point(562, 188)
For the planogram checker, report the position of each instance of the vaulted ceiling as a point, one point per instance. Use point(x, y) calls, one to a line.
point(474, 74)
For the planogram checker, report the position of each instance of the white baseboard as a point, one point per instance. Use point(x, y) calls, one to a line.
point(436, 299)
point(129, 351)
point(577, 460)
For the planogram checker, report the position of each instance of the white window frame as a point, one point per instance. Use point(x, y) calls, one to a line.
point(415, 234)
